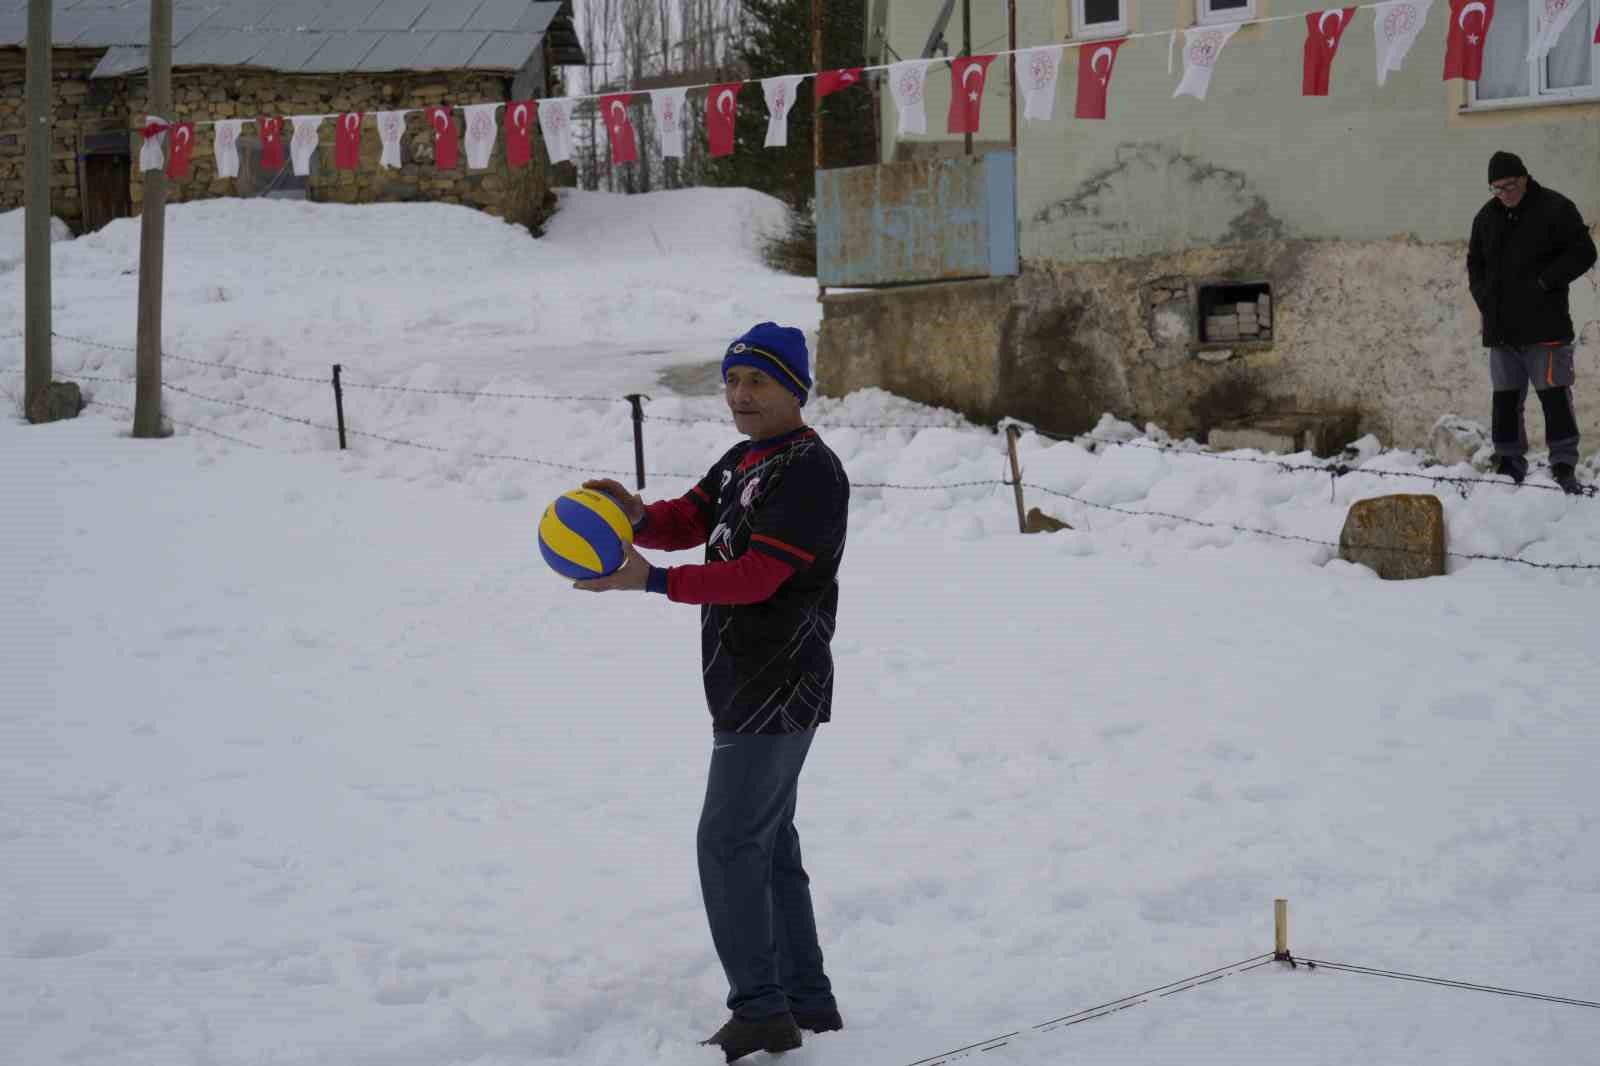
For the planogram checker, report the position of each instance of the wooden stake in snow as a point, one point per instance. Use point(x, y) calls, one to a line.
point(153, 234)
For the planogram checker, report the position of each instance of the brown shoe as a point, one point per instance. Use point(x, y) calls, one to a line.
point(823, 1020)
point(745, 1036)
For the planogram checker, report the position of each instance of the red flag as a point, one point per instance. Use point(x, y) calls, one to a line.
point(1597, 33)
point(624, 145)
point(519, 132)
point(967, 75)
point(1095, 63)
point(180, 140)
point(446, 134)
point(831, 81)
point(271, 142)
point(722, 105)
point(347, 142)
point(1469, 28)
point(1324, 31)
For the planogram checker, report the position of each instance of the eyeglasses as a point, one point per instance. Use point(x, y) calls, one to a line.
point(1500, 188)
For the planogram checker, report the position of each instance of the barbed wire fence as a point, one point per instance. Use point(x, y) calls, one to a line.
point(1335, 469)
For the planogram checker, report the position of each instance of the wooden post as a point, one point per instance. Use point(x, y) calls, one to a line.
point(153, 233)
point(816, 98)
point(1280, 923)
point(1011, 44)
point(36, 195)
point(635, 399)
point(338, 402)
point(966, 50)
point(1012, 433)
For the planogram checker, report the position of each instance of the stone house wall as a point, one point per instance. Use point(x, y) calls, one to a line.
point(522, 195)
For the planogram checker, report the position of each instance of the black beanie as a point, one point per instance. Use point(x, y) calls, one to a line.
point(1504, 165)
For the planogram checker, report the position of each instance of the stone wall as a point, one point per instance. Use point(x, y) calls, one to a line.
point(1384, 331)
point(78, 105)
point(520, 195)
point(81, 106)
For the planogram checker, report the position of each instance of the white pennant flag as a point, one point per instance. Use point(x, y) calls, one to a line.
point(908, 81)
point(304, 142)
point(1202, 47)
point(1396, 25)
point(391, 128)
point(226, 146)
point(668, 107)
point(555, 122)
point(481, 131)
point(780, 99)
point(1037, 70)
point(152, 153)
point(1552, 20)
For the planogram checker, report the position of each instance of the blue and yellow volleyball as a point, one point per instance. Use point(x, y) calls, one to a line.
point(584, 534)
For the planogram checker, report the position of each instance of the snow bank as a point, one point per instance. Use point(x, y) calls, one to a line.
point(13, 237)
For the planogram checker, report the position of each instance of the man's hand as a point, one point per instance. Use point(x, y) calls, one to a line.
point(629, 577)
point(631, 505)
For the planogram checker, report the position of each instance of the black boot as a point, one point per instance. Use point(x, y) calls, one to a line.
point(745, 1036)
point(1567, 478)
point(1512, 467)
point(822, 1020)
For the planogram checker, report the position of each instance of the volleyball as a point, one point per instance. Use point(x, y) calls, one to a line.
point(584, 534)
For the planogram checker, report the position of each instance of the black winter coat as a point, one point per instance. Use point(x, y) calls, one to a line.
point(1520, 262)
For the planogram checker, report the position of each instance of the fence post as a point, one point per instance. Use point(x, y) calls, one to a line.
point(1012, 433)
point(635, 399)
point(338, 403)
point(1280, 929)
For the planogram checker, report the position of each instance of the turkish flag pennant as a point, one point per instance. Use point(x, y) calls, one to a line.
point(1597, 33)
point(722, 107)
point(1095, 64)
point(446, 138)
point(347, 142)
point(1324, 31)
point(831, 81)
point(1469, 30)
point(624, 145)
point(967, 75)
point(181, 137)
point(519, 132)
point(271, 130)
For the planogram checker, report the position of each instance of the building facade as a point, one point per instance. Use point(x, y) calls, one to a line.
point(1258, 255)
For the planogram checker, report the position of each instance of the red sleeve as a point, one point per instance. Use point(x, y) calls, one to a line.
point(751, 578)
point(671, 525)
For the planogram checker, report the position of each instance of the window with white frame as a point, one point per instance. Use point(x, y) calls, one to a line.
point(1208, 12)
point(1099, 18)
point(1571, 70)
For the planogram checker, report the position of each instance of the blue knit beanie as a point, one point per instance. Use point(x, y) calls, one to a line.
point(777, 351)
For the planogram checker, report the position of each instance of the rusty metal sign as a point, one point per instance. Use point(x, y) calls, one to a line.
point(938, 220)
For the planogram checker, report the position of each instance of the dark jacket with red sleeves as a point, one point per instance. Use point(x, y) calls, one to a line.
point(1520, 262)
point(772, 516)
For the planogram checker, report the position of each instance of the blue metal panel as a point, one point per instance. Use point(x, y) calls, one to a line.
point(939, 220)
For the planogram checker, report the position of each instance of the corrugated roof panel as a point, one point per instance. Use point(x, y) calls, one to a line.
point(538, 17)
point(344, 15)
point(396, 51)
point(286, 51)
point(14, 27)
point(128, 25)
point(396, 14)
point(450, 50)
point(119, 60)
point(67, 26)
point(292, 14)
point(497, 15)
point(217, 48)
point(506, 51)
point(447, 14)
point(340, 52)
point(242, 14)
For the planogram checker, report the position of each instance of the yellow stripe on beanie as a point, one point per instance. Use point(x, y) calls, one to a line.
point(779, 363)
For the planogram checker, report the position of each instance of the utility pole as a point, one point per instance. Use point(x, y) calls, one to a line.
point(36, 218)
point(153, 233)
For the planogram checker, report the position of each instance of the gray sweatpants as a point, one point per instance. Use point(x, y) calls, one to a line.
point(1551, 371)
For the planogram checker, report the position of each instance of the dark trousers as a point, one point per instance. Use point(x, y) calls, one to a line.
point(1550, 370)
point(757, 894)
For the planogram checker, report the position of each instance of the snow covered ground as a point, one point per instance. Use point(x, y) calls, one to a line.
point(305, 758)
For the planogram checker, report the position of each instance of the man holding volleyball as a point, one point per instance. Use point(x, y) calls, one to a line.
point(772, 515)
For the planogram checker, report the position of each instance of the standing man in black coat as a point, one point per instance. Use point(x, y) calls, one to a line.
point(1529, 243)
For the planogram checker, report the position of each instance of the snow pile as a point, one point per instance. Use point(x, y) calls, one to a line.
point(13, 237)
point(308, 759)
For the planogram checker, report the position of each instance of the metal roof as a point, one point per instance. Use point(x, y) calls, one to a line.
point(312, 36)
